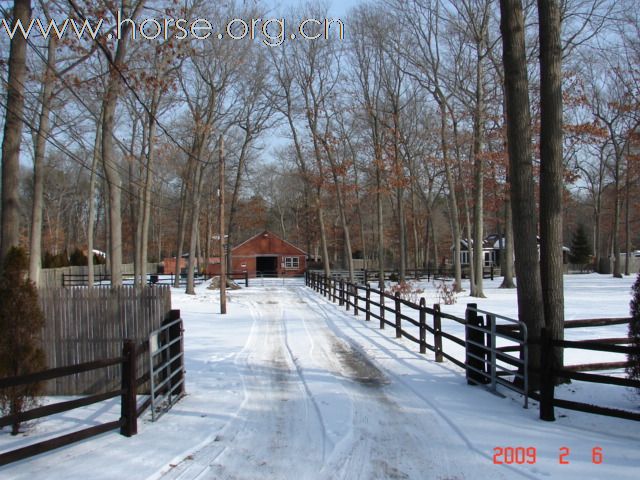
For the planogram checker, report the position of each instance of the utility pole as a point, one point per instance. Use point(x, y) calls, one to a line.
point(223, 253)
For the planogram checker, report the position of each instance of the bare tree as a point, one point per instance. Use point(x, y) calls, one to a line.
point(530, 307)
point(551, 172)
point(12, 137)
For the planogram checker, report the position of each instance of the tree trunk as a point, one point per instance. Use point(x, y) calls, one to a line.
point(551, 172)
point(478, 213)
point(35, 253)
point(138, 207)
point(380, 221)
point(414, 228)
point(195, 216)
point(92, 204)
point(453, 201)
point(627, 220)
point(12, 138)
point(506, 265)
point(341, 208)
point(530, 307)
point(146, 189)
point(617, 267)
point(236, 191)
point(182, 221)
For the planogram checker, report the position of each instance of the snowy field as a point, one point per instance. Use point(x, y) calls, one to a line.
point(289, 386)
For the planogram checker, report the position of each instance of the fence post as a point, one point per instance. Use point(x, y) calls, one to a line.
point(437, 333)
point(547, 381)
point(341, 292)
point(382, 309)
point(423, 324)
point(246, 278)
point(398, 318)
point(366, 277)
point(491, 344)
point(128, 413)
point(368, 310)
point(355, 298)
point(334, 284)
point(474, 354)
point(347, 291)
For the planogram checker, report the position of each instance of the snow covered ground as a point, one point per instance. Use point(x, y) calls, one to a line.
point(289, 386)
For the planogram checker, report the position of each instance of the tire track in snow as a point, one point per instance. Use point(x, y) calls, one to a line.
point(197, 462)
point(271, 439)
point(377, 437)
point(328, 312)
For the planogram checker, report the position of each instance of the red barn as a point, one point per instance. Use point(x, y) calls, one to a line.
point(265, 254)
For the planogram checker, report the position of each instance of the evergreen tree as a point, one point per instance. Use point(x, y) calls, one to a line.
point(21, 322)
point(580, 247)
point(77, 258)
point(633, 369)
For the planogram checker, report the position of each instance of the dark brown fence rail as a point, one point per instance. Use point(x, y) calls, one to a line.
point(577, 372)
point(134, 368)
point(485, 362)
point(129, 412)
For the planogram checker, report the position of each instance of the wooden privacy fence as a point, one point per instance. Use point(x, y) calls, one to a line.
point(84, 324)
point(495, 347)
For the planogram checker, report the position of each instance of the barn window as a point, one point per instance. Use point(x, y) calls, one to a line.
point(291, 262)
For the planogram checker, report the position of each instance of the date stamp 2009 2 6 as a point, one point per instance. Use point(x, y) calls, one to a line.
point(529, 455)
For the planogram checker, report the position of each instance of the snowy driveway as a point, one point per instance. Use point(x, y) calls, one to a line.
point(315, 406)
point(290, 386)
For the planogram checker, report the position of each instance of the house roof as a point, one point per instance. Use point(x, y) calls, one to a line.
point(493, 242)
point(267, 233)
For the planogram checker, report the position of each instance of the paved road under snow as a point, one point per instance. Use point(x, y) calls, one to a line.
point(314, 406)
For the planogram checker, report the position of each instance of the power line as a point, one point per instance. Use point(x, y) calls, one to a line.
point(51, 140)
point(82, 102)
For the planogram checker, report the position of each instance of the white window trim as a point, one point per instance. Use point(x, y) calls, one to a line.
point(291, 263)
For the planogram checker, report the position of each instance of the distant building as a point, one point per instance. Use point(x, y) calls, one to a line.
point(265, 254)
point(169, 264)
point(492, 246)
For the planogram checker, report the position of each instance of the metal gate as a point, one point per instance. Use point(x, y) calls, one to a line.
point(166, 360)
point(488, 363)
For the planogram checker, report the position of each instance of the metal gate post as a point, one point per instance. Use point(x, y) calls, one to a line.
point(474, 340)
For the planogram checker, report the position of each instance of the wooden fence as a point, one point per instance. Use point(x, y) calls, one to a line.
point(125, 363)
point(134, 370)
point(494, 346)
point(479, 345)
point(436, 273)
point(83, 324)
point(53, 277)
point(577, 372)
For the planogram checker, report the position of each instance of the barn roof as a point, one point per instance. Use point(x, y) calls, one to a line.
point(271, 234)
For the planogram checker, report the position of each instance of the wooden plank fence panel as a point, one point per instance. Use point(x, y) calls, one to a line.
point(83, 324)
